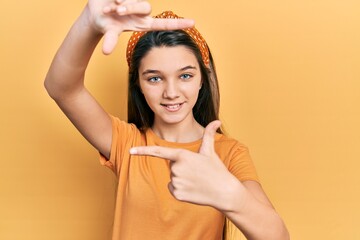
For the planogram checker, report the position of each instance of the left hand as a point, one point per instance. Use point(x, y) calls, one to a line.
point(199, 178)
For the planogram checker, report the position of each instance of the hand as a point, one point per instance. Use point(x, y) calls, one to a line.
point(114, 17)
point(199, 178)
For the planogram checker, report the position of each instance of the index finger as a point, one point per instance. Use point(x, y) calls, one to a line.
point(171, 154)
point(171, 24)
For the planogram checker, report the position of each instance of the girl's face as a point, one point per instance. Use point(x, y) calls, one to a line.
point(170, 80)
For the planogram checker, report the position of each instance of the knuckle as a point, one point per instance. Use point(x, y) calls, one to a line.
point(179, 153)
point(179, 195)
point(157, 151)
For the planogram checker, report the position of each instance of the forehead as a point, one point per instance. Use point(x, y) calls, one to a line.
point(168, 59)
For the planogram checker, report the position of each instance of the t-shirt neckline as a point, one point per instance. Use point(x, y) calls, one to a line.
point(161, 142)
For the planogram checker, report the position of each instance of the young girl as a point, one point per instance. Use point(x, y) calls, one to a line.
point(178, 176)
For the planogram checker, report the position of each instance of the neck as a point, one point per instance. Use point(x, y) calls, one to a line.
point(179, 132)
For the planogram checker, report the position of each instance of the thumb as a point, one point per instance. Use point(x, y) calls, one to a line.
point(110, 41)
point(207, 145)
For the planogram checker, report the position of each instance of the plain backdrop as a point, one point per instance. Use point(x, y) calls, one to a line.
point(289, 74)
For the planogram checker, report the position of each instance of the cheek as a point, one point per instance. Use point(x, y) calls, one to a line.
point(151, 95)
point(192, 92)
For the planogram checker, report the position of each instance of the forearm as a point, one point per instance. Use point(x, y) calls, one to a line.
point(255, 218)
point(66, 73)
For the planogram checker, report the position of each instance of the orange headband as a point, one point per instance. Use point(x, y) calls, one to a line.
point(193, 33)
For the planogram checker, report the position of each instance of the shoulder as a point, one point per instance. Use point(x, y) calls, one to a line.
point(236, 157)
point(124, 129)
point(230, 150)
point(223, 142)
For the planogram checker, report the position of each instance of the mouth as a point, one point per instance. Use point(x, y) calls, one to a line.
point(172, 107)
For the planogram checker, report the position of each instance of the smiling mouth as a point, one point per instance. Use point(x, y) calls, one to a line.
point(172, 107)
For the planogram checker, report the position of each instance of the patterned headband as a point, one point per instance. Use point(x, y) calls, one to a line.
point(192, 32)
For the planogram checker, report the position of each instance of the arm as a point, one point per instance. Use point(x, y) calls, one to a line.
point(251, 211)
point(65, 78)
point(65, 84)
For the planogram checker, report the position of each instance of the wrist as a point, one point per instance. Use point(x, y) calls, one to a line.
point(87, 22)
point(232, 197)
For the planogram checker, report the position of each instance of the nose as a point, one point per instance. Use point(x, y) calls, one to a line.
point(171, 90)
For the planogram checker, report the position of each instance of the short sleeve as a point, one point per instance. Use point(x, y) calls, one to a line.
point(241, 164)
point(122, 134)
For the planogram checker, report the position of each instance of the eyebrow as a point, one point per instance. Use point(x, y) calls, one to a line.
point(149, 71)
point(187, 67)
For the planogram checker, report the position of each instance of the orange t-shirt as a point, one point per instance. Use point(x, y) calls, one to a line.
point(145, 209)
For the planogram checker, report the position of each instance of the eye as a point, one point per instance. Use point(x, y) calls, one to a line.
point(154, 79)
point(185, 76)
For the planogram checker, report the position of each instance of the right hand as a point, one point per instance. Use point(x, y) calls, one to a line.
point(111, 18)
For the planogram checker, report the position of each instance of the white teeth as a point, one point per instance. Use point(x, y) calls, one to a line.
point(173, 106)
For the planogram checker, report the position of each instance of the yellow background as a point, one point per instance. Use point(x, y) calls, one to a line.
point(289, 73)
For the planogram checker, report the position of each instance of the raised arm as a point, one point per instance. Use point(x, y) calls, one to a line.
point(65, 78)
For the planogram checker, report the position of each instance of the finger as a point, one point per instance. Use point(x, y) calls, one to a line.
point(207, 145)
point(171, 154)
point(110, 41)
point(142, 8)
point(111, 7)
point(171, 188)
point(171, 24)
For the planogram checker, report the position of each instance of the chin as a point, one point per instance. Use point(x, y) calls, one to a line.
point(173, 120)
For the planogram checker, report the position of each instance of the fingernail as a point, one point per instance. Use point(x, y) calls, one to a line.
point(133, 151)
